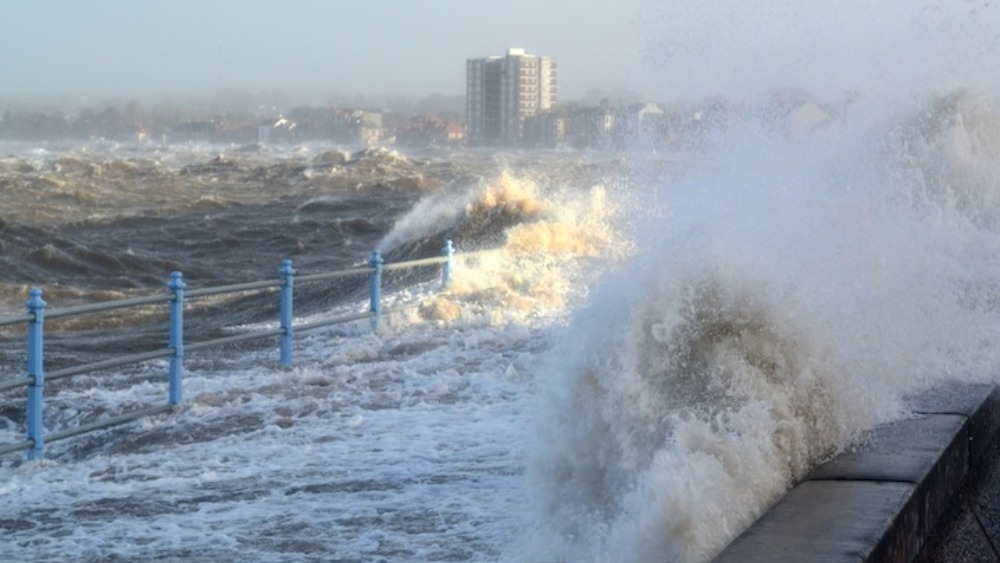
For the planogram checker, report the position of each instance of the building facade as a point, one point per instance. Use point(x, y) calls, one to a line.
point(504, 91)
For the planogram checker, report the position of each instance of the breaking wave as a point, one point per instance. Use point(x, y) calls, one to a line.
point(533, 241)
point(684, 416)
point(788, 298)
point(950, 153)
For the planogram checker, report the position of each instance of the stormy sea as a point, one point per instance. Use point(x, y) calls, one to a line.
point(639, 351)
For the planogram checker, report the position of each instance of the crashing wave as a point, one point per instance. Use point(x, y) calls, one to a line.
point(949, 153)
point(531, 234)
point(681, 416)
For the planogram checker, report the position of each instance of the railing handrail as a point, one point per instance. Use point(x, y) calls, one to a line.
point(5, 321)
point(234, 288)
point(38, 313)
point(14, 384)
point(334, 275)
point(108, 423)
point(333, 321)
point(233, 339)
point(11, 448)
point(96, 366)
point(415, 263)
point(78, 310)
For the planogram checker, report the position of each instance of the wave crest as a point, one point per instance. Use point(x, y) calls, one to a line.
point(684, 418)
point(949, 152)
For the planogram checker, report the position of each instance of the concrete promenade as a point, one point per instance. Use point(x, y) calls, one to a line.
point(926, 489)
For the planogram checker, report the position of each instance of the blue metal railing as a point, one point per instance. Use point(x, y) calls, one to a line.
point(36, 377)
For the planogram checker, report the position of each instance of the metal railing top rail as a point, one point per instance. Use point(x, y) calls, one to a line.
point(11, 448)
point(415, 263)
point(327, 322)
point(4, 321)
point(333, 275)
point(104, 306)
point(124, 360)
point(108, 423)
point(15, 383)
point(233, 339)
point(262, 284)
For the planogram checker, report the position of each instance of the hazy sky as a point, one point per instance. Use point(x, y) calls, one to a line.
point(663, 49)
point(367, 46)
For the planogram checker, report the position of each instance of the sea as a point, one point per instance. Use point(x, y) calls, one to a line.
point(639, 351)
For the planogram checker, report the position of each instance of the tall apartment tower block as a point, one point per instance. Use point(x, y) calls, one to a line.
point(502, 91)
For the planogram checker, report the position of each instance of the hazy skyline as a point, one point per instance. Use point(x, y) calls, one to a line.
point(662, 49)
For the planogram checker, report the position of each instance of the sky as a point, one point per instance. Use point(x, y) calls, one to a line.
point(660, 49)
point(401, 46)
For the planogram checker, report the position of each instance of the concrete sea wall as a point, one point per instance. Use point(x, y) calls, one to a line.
point(925, 488)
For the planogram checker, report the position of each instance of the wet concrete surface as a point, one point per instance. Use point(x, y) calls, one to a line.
point(925, 488)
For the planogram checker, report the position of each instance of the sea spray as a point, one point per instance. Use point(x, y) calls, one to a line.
point(672, 421)
point(791, 296)
point(948, 155)
point(531, 244)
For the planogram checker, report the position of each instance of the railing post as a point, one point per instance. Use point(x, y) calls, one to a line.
point(176, 286)
point(449, 252)
point(376, 288)
point(287, 274)
point(36, 329)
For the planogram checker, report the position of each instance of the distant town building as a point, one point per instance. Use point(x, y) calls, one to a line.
point(430, 130)
point(806, 117)
point(370, 128)
point(196, 132)
point(640, 123)
point(504, 91)
point(280, 130)
point(355, 126)
point(547, 129)
point(593, 127)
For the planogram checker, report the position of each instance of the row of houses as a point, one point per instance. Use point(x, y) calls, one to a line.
point(348, 126)
point(603, 126)
point(649, 124)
